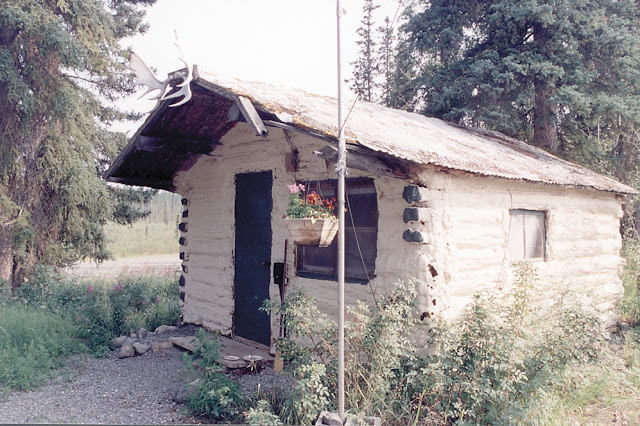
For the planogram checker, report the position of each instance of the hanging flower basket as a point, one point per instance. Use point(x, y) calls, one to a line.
point(310, 218)
point(312, 231)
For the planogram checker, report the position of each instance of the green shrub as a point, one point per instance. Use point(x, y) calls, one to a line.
point(216, 397)
point(494, 365)
point(132, 302)
point(630, 304)
point(37, 289)
point(261, 415)
point(605, 392)
point(377, 343)
point(32, 342)
point(101, 309)
point(51, 315)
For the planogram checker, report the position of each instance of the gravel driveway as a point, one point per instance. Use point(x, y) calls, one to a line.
point(135, 390)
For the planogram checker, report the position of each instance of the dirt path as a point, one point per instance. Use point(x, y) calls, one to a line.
point(159, 264)
point(109, 390)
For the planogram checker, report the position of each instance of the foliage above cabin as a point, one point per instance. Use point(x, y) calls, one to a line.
point(60, 63)
point(560, 75)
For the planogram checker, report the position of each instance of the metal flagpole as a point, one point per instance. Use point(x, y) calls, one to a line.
point(341, 169)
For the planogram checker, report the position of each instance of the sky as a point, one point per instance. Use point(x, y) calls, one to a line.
point(286, 42)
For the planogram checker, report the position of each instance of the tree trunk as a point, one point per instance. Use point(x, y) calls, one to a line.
point(627, 155)
point(545, 113)
point(545, 125)
point(6, 258)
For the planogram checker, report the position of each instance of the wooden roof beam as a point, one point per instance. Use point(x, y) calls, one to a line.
point(251, 116)
point(167, 185)
point(284, 126)
point(183, 145)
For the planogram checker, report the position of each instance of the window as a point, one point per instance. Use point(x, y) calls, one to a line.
point(361, 235)
point(527, 235)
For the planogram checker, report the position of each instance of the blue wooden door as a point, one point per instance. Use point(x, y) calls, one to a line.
point(252, 255)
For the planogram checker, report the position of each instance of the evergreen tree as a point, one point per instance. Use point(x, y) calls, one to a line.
point(402, 90)
point(547, 72)
point(365, 67)
point(387, 61)
point(59, 61)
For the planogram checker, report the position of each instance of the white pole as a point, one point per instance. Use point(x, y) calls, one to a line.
point(341, 169)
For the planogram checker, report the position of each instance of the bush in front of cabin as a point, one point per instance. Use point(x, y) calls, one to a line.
point(494, 365)
point(211, 393)
point(630, 304)
point(377, 343)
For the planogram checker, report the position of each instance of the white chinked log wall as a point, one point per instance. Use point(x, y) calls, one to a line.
point(464, 221)
point(470, 233)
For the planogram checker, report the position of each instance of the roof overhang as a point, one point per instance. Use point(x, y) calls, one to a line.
point(379, 139)
point(172, 139)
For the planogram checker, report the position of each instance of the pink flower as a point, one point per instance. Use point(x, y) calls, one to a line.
point(118, 288)
point(90, 290)
point(294, 189)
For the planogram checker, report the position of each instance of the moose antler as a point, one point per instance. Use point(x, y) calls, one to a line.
point(145, 77)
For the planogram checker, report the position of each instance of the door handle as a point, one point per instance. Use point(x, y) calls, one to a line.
point(266, 263)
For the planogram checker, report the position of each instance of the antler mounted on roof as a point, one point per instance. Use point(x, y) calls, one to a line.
point(179, 81)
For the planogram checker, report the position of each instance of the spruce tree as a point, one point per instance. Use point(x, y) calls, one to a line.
point(387, 64)
point(365, 68)
point(60, 62)
point(547, 72)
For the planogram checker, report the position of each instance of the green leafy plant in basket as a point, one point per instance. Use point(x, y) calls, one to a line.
point(309, 205)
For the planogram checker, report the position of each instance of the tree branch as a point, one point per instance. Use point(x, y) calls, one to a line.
point(12, 221)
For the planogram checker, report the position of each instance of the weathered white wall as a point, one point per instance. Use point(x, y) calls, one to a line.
point(210, 190)
point(471, 229)
point(464, 219)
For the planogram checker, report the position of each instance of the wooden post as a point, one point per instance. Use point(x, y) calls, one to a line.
point(341, 168)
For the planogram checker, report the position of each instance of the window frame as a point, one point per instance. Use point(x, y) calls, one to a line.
point(362, 182)
point(542, 218)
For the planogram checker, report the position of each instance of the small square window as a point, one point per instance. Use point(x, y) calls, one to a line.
point(527, 235)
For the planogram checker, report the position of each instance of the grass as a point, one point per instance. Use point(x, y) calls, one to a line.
point(32, 342)
point(142, 239)
point(53, 317)
point(602, 393)
point(610, 390)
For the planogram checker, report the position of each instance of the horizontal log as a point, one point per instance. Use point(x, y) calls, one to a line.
point(415, 214)
point(167, 185)
point(175, 144)
point(413, 236)
point(362, 160)
point(415, 194)
point(283, 126)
